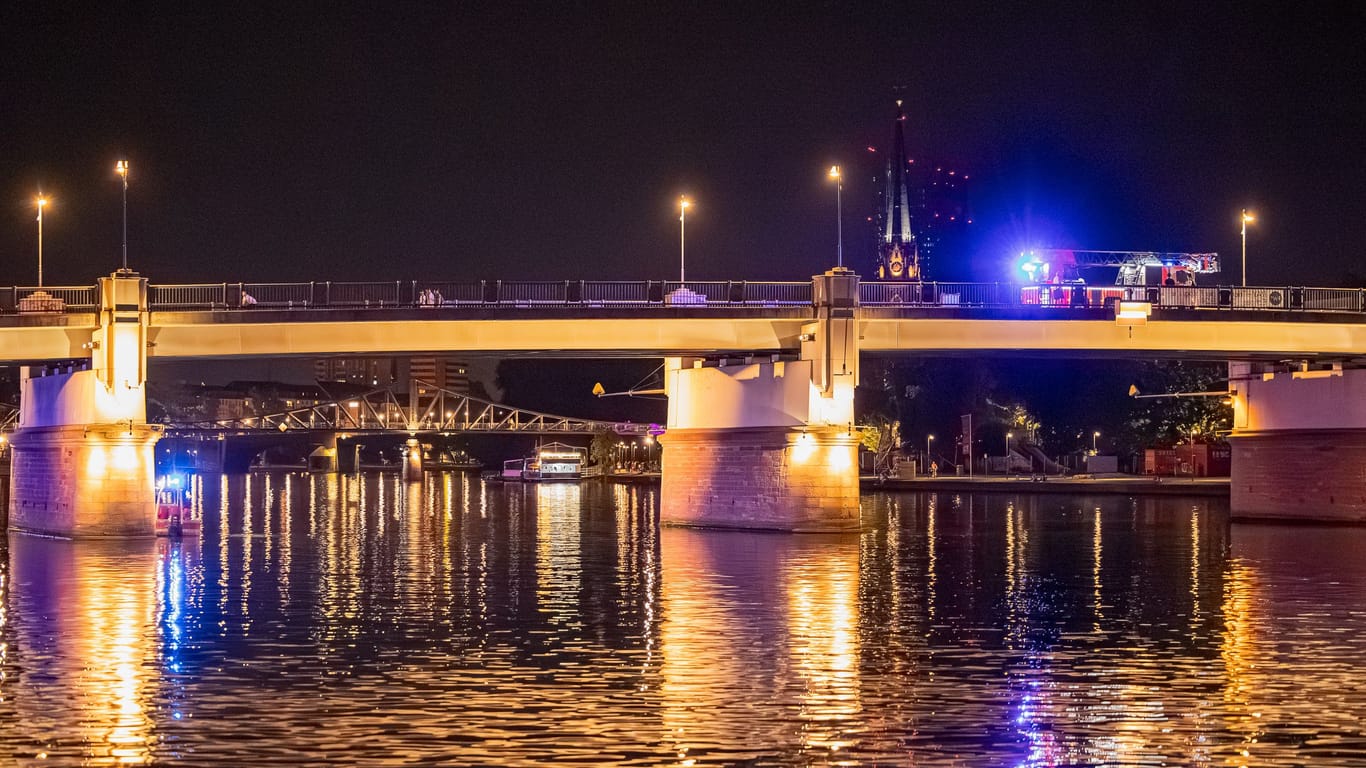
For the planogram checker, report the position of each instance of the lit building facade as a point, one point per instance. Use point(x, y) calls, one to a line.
point(366, 371)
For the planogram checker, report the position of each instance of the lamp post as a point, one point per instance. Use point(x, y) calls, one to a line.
point(41, 203)
point(1094, 436)
point(121, 168)
point(839, 214)
point(683, 204)
point(1247, 218)
point(928, 439)
point(1007, 466)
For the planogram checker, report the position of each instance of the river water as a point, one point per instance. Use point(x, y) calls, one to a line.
point(363, 621)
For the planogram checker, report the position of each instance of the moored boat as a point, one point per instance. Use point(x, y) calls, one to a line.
point(175, 512)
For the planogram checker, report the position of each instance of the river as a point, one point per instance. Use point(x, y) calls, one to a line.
point(360, 621)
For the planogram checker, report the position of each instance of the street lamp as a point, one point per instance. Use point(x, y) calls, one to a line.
point(1247, 219)
point(41, 203)
point(1094, 436)
point(683, 205)
point(121, 168)
point(928, 439)
point(1007, 467)
point(839, 214)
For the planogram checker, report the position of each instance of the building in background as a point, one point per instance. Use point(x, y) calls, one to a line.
point(362, 371)
point(448, 373)
point(898, 253)
point(922, 216)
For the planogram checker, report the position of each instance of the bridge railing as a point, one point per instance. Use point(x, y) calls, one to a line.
point(377, 295)
point(197, 296)
point(64, 298)
point(701, 294)
point(615, 293)
point(934, 294)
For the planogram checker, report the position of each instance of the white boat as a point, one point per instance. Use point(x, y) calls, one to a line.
point(555, 461)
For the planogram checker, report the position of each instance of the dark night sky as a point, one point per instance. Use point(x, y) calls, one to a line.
point(273, 143)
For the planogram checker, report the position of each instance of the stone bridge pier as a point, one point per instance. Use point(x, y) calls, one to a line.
point(1299, 443)
point(769, 442)
point(83, 462)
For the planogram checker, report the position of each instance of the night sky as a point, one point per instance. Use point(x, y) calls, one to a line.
point(282, 143)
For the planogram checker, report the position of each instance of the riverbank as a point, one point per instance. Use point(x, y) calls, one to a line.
point(1127, 485)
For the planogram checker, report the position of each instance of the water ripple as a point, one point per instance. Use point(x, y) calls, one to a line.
point(327, 620)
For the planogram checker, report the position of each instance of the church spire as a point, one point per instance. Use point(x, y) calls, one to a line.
point(898, 255)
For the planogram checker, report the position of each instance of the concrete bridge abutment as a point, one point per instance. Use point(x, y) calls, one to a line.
point(1299, 444)
point(768, 442)
point(83, 462)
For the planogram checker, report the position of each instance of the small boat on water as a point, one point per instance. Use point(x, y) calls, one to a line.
point(175, 513)
point(451, 461)
point(555, 461)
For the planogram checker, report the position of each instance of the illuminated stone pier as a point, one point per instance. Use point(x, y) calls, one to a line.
point(1299, 443)
point(83, 463)
point(767, 442)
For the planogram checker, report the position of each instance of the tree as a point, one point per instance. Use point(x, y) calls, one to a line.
point(600, 450)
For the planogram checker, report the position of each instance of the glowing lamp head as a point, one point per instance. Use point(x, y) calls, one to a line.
point(1248, 217)
point(684, 203)
point(40, 202)
point(121, 168)
point(835, 172)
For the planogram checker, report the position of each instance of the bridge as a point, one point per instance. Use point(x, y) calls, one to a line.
point(578, 318)
point(760, 376)
point(381, 411)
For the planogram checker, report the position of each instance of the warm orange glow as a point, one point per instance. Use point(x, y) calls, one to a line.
point(121, 168)
point(834, 172)
point(40, 202)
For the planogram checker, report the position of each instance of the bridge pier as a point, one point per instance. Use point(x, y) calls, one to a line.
point(83, 460)
point(1299, 444)
point(768, 442)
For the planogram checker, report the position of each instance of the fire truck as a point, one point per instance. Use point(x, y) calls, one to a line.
point(1057, 277)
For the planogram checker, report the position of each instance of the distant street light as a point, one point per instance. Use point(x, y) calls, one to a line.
point(928, 439)
point(1094, 436)
point(683, 204)
point(1247, 219)
point(121, 168)
point(1007, 467)
point(41, 203)
point(839, 214)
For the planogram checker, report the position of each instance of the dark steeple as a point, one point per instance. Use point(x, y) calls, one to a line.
point(898, 256)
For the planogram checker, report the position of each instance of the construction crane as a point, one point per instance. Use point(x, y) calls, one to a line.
point(1054, 266)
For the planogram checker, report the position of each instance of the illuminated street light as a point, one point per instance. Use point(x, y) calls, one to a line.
point(1094, 436)
point(839, 214)
point(1246, 219)
point(41, 202)
point(1007, 467)
point(121, 168)
point(683, 204)
point(928, 439)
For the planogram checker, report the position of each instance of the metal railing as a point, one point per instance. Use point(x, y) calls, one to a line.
point(211, 295)
point(71, 298)
point(690, 294)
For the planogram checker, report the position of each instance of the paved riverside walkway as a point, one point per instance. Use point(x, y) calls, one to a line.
point(1128, 485)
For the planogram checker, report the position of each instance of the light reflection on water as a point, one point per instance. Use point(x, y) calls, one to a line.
point(364, 620)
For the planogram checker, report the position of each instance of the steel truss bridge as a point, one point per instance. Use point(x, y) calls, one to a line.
point(436, 410)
